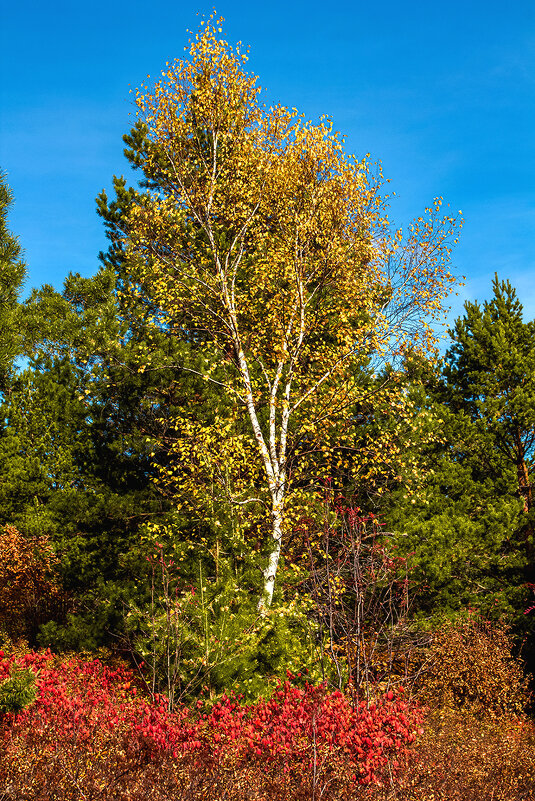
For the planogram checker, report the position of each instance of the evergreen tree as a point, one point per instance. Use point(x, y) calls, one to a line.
point(74, 448)
point(469, 528)
point(79, 449)
point(489, 376)
point(12, 272)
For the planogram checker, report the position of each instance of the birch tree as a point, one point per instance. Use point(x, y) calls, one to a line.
point(259, 238)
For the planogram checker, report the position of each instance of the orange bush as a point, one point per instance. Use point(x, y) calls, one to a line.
point(29, 591)
point(477, 744)
point(471, 666)
point(461, 758)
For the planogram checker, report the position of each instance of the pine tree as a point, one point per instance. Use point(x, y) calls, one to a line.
point(85, 439)
point(469, 528)
point(489, 377)
point(74, 450)
point(12, 272)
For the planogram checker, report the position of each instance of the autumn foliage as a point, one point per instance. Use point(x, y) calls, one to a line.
point(29, 590)
point(471, 666)
point(90, 733)
point(270, 246)
point(462, 757)
point(192, 433)
point(477, 741)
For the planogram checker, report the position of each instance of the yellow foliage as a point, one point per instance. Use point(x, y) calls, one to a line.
point(271, 247)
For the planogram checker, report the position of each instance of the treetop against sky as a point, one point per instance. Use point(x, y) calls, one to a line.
point(443, 96)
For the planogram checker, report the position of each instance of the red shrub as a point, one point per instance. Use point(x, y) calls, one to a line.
point(314, 737)
point(90, 734)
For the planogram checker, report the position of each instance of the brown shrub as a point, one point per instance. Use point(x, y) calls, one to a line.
point(477, 745)
point(471, 666)
point(461, 758)
point(29, 591)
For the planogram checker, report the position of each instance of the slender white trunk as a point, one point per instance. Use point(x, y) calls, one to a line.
point(270, 571)
point(273, 448)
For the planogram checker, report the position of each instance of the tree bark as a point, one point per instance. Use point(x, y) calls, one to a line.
point(270, 571)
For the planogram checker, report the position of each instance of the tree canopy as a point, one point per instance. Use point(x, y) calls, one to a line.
point(490, 377)
point(235, 450)
point(260, 240)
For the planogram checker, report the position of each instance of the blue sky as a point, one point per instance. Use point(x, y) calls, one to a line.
point(442, 94)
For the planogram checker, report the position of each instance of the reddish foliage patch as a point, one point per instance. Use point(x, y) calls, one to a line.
point(90, 734)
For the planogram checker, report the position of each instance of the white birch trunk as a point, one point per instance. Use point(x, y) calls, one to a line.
point(272, 445)
point(270, 571)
